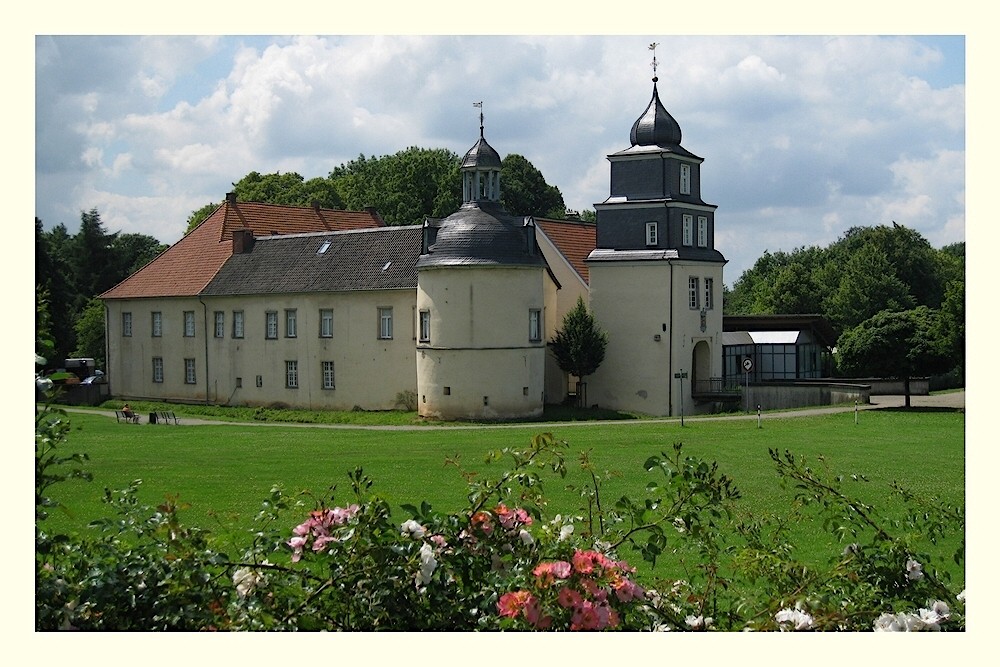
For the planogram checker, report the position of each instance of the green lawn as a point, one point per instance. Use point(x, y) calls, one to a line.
point(224, 471)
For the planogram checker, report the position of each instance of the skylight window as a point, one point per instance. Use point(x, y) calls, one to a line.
point(323, 248)
point(387, 265)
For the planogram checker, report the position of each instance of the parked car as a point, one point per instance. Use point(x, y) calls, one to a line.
point(96, 378)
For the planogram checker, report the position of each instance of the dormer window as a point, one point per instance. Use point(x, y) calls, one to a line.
point(651, 236)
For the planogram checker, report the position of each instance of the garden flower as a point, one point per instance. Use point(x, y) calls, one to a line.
point(245, 581)
point(511, 604)
point(569, 597)
point(482, 521)
point(533, 614)
point(512, 518)
point(427, 565)
point(565, 532)
point(914, 570)
point(627, 590)
point(526, 538)
point(411, 528)
point(547, 573)
point(799, 619)
point(887, 623)
point(698, 622)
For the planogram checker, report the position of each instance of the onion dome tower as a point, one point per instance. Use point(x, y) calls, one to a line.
point(655, 275)
point(480, 303)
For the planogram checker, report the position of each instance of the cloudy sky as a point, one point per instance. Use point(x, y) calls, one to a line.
point(803, 137)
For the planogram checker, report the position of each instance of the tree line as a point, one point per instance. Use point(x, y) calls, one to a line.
point(70, 271)
point(405, 188)
point(896, 303)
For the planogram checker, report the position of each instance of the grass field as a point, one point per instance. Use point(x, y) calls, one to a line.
point(225, 471)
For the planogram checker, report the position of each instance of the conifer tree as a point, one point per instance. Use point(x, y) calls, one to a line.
point(580, 344)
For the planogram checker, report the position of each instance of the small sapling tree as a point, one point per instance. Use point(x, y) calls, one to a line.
point(579, 345)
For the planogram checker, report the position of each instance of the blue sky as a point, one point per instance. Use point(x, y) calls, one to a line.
point(803, 137)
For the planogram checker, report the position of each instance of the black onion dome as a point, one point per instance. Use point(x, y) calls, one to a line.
point(655, 127)
point(481, 156)
point(482, 234)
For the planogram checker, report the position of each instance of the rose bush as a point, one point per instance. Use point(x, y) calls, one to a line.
point(502, 563)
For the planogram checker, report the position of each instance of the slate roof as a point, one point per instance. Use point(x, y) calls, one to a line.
point(367, 259)
point(574, 239)
point(656, 127)
point(481, 233)
point(481, 155)
point(185, 268)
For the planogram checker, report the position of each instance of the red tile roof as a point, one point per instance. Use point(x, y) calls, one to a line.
point(186, 267)
point(574, 239)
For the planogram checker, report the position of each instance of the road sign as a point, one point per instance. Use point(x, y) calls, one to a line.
point(680, 375)
point(748, 364)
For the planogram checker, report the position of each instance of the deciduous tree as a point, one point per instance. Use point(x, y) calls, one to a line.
point(895, 344)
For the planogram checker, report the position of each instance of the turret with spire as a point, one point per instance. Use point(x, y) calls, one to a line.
point(481, 169)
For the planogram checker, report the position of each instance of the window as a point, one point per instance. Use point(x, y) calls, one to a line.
point(188, 323)
point(271, 324)
point(328, 375)
point(326, 323)
point(534, 325)
point(685, 179)
point(702, 231)
point(291, 374)
point(425, 326)
point(220, 324)
point(126, 324)
point(688, 222)
point(709, 301)
point(650, 233)
point(157, 324)
point(693, 292)
point(189, 374)
point(157, 369)
point(237, 324)
point(385, 323)
point(291, 330)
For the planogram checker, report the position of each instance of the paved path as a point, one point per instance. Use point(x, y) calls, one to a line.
point(952, 400)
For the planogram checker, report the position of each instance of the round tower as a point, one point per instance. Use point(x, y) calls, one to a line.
point(480, 305)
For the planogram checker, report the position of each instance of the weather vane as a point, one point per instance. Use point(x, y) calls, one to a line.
point(480, 106)
point(652, 47)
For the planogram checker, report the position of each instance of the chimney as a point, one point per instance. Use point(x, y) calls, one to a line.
point(370, 210)
point(242, 241)
point(230, 197)
point(315, 205)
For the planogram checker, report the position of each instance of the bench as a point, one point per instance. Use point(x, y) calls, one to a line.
point(120, 417)
point(166, 418)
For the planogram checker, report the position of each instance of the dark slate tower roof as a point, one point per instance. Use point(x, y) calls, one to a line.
point(481, 155)
point(657, 128)
point(481, 232)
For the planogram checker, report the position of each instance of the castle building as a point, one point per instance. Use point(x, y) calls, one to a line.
point(326, 309)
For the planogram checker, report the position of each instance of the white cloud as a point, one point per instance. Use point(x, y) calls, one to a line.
point(802, 137)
